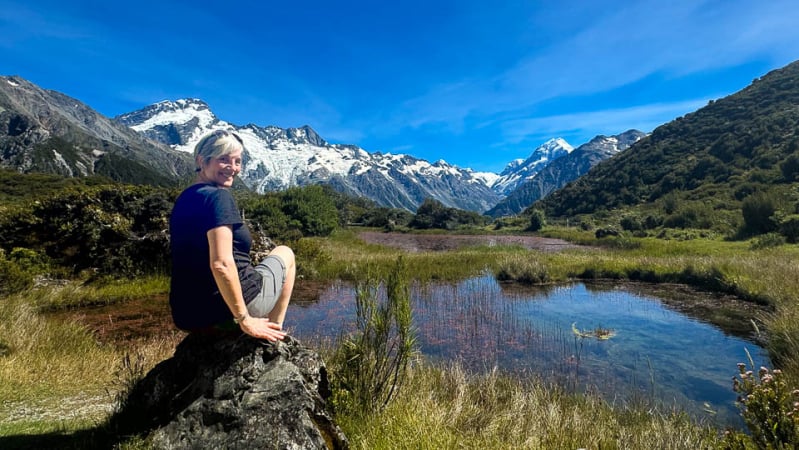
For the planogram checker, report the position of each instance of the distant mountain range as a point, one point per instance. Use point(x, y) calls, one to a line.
point(561, 170)
point(278, 158)
point(46, 131)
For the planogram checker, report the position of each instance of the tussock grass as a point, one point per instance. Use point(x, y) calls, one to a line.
point(351, 260)
point(55, 377)
point(443, 408)
point(45, 358)
point(109, 292)
point(45, 361)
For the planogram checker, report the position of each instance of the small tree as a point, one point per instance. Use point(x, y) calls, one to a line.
point(758, 213)
point(789, 227)
point(312, 209)
point(537, 220)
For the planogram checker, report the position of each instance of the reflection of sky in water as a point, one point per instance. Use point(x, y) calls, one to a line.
point(530, 330)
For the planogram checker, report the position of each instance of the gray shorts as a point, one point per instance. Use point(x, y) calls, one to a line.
point(273, 272)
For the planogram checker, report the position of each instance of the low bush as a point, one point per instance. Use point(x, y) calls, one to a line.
point(770, 410)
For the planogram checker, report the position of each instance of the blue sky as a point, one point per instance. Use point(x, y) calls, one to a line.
point(477, 83)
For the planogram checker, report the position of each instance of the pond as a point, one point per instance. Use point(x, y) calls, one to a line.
point(615, 339)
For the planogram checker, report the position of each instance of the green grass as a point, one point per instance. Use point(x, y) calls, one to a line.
point(57, 382)
point(47, 363)
point(443, 408)
point(107, 292)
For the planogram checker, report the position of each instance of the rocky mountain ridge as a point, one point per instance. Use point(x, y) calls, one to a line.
point(47, 131)
point(561, 171)
point(519, 171)
point(278, 158)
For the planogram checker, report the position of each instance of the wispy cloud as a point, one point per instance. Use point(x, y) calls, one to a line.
point(621, 46)
point(591, 123)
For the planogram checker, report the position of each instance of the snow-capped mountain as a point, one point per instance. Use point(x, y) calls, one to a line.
point(277, 158)
point(519, 171)
point(563, 170)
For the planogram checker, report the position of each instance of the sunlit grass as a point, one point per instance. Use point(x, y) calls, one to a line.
point(47, 358)
point(76, 294)
point(448, 408)
point(55, 377)
point(769, 276)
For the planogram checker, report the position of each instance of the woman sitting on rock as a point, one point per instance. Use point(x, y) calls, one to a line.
point(214, 283)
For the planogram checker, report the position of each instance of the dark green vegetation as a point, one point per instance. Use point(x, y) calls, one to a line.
point(95, 228)
point(730, 167)
point(66, 227)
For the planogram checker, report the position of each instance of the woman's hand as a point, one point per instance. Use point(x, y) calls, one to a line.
point(262, 328)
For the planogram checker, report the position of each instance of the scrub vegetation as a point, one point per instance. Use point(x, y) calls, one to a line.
point(92, 244)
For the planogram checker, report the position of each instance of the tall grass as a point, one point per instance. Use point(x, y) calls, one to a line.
point(45, 358)
point(107, 292)
point(55, 377)
point(443, 408)
point(48, 361)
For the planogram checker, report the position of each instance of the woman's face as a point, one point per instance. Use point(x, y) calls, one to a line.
point(221, 170)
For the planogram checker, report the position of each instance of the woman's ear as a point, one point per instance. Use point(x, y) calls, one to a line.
point(199, 163)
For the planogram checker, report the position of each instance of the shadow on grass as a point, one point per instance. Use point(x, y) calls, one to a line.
point(95, 438)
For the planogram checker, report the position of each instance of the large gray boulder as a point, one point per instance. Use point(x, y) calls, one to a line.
point(234, 392)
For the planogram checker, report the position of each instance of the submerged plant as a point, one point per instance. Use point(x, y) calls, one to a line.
point(598, 333)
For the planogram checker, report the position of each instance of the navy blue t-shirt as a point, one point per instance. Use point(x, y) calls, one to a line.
point(194, 297)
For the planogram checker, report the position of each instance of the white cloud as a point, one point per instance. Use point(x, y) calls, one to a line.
point(591, 123)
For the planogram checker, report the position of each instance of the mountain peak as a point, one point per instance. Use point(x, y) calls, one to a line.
point(178, 123)
point(305, 134)
point(278, 158)
point(519, 171)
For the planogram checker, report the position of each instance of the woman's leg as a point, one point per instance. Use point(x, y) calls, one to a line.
point(278, 313)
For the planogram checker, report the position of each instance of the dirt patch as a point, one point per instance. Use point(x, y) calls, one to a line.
point(444, 242)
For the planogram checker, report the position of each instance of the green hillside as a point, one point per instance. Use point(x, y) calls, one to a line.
point(705, 169)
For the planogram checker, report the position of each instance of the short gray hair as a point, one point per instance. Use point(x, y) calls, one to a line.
point(216, 144)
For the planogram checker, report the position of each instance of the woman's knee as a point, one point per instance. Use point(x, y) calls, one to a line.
point(285, 253)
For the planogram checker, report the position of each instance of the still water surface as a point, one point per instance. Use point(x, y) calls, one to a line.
point(657, 354)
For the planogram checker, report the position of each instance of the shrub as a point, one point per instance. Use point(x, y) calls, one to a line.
point(371, 365)
point(770, 410)
point(606, 231)
point(789, 227)
point(537, 220)
point(758, 213)
point(312, 209)
point(652, 221)
point(13, 279)
point(767, 240)
point(631, 223)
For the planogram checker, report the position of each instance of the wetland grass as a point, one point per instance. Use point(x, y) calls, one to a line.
point(447, 407)
point(58, 383)
point(439, 407)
